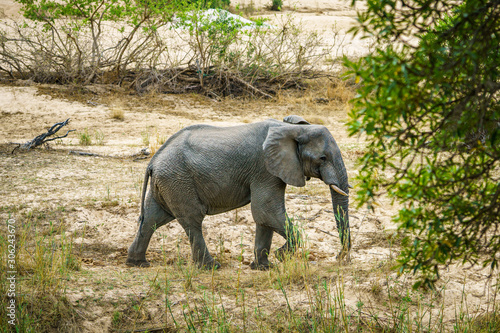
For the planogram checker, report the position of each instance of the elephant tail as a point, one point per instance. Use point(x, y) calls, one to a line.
point(143, 197)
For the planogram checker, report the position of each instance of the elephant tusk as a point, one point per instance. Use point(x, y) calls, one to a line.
point(350, 186)
point(338, 190)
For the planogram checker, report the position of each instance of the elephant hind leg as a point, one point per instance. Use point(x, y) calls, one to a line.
point(154, 217)
point(192, 224)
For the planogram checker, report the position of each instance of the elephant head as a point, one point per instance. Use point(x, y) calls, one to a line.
point(299, 151)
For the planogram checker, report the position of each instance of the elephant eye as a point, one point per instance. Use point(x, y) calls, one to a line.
point(323, 158)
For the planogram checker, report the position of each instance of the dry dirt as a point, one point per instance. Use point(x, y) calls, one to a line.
point(97, 198)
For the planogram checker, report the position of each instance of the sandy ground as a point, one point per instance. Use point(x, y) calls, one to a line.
point(99, 196)
point(9, 9)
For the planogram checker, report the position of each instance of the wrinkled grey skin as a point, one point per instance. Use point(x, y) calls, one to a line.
point(206, 170)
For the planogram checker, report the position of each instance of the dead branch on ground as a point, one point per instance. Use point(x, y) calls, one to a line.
point(84, 153)
point(44, 138)
point(141, 155)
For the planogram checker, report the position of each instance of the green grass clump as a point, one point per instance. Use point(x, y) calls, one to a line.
point(85, 138)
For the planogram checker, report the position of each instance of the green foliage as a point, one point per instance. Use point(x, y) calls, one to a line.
point(210, 3)
point(212, 34)
point(276, 5)
point(429, 106)
point(92, 11)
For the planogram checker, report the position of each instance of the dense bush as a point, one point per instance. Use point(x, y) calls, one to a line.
point(429, 106)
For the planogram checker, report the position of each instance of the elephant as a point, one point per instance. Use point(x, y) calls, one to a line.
point(206, 170)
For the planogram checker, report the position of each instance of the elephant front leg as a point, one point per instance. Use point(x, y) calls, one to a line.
point(263, 240)
point(292, 237)
point(268, 209)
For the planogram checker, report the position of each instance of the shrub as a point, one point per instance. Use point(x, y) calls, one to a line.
point(276, 5)
point(143, 46)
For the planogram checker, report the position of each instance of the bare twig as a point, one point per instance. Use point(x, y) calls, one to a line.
point(326, 232)
point(18, 145)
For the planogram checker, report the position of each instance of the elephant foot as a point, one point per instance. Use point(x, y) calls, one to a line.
point(137, 263)
point(261, 267)
point(283, 253)
point(214, 264)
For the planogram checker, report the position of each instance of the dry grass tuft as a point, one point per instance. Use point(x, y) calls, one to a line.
point(339, 91)
point(156, 141)
point(376, 287)
point(316, 119)
point(118, 114)
point(294, 269)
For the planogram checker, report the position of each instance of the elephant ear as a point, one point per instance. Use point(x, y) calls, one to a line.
point(296, 120)
point(280, 154)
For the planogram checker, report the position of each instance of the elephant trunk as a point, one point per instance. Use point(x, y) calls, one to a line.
point(340, 204)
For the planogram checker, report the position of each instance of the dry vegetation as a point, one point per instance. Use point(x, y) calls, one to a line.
point(76, 215)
